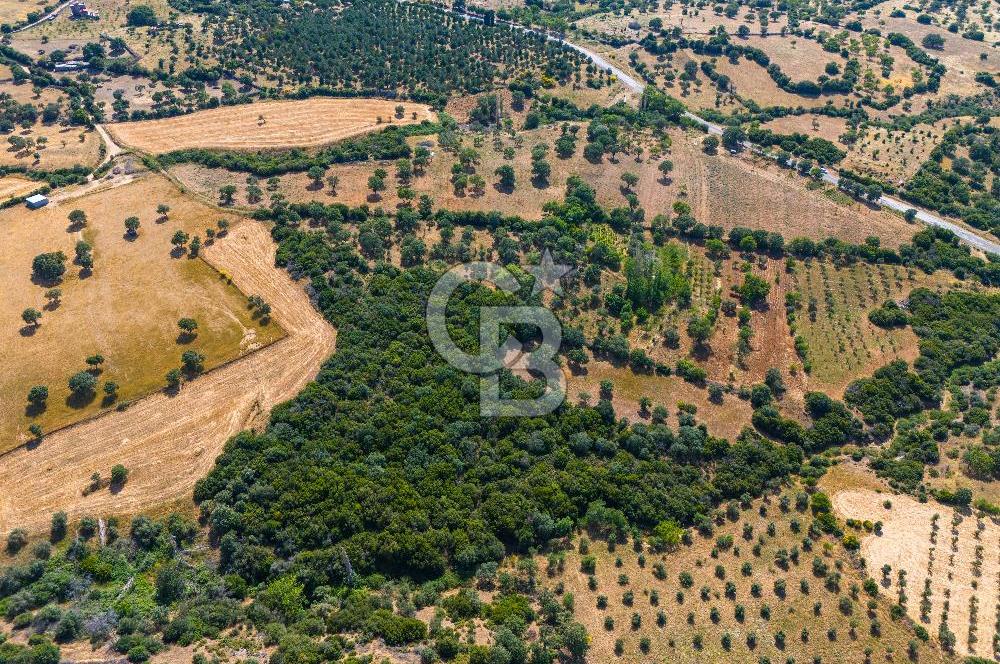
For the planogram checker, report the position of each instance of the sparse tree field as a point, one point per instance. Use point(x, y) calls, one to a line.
point(951, 562)
point(126, 310)
point(279, 124)
point(832, 316)
point(721, 190)
point(724, 420)
point(52, 147)
point(744, 590)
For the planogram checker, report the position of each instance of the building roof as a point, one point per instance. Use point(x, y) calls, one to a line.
point(37, 198)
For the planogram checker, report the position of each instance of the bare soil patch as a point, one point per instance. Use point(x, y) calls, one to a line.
point(169, 441)
point(278, 124)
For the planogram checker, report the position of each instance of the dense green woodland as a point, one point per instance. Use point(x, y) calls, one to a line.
point(381, 46)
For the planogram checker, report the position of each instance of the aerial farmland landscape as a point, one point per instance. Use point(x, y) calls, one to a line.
point(499, 331)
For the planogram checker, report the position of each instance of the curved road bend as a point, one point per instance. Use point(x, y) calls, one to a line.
point(636, 87)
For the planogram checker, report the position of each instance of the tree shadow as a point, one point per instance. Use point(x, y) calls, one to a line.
point(79, 400)
point(314, 186)
point(45, 283)
point(177, 252)
point(186, 337)
point(128, 237)
point(502, 189)
point(86, 272)
point(28, 330)
point(35, 409)
point(52, 305)
point(701, 352)
point(108, 399)
point(540, 183)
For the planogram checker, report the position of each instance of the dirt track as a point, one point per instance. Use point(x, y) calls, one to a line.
point(169, 442)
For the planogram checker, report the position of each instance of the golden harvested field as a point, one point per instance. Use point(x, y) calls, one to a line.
point(126, 310)
point(56, 147)
point(166, 441)
point(12, 185)
point(734, 608)
point(267, 125)
point(951, 563)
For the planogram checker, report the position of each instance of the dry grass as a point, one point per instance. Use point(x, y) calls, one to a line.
point(958, 554)
point(685, 617)
point(817, 126)
point(61, 147)
point(895, 155)
point(149, 45)
point(960, 56)
point(725, 420)
point(800, 58)
point(843, 344)
point(722, 190)
point(170, 441)
point(279, 124)
point(126, 310)
point(14, 11)
point(12, 185)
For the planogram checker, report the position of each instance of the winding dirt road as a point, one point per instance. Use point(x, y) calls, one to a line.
point(169, 442)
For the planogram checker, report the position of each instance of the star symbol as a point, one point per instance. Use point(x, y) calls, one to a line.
point(547, 275)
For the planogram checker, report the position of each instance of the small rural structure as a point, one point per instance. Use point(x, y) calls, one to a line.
point(79, 11)
point(71, 65)
point(36, 201)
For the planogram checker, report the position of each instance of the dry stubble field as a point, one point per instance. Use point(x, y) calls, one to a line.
point(126, 310)
point(955, 556)
point(12, 185)
point(169, 441)
point(267, 125)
